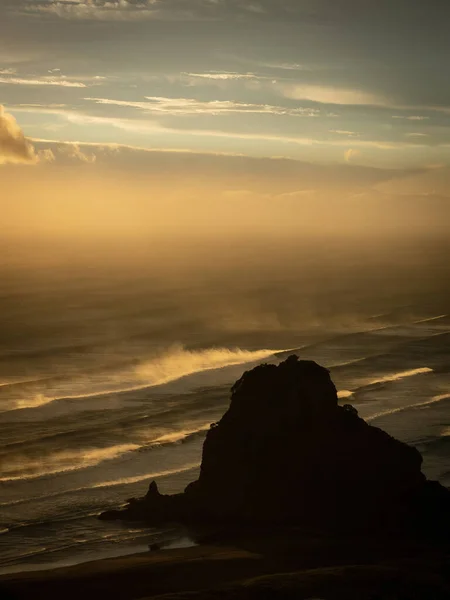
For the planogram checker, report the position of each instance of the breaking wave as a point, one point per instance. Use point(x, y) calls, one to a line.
point(63, 462)
point(342, 394)
point(146, 476)
point(170, 366)
point(392, 411)
point(400, 375)
point(430, 319)
point(179, 436)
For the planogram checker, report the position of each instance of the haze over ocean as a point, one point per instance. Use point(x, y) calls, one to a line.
point(188, 189)
point(110, 377)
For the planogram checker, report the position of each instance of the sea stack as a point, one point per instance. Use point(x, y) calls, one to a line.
point(286, 452)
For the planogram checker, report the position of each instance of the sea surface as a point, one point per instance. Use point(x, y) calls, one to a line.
point(110, 378)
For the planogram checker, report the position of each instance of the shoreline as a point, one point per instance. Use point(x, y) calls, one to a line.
point(182, 541)
point(243, 563)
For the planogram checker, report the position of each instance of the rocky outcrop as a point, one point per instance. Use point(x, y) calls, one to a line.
point(286, 452)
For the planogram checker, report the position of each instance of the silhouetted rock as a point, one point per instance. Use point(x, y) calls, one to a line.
point(286, 452)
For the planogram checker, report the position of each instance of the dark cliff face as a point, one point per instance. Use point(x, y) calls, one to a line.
point(285, 451)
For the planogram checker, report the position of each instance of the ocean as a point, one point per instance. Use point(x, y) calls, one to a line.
point(110, 376)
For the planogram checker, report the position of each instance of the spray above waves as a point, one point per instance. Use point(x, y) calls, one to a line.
point(108, 484)
point(174, 364)
point(399, 375)
point(146, 476)
point(62, 462)
point(180, 362)
point(179, 436)
point(342, 394)
point(69, 461)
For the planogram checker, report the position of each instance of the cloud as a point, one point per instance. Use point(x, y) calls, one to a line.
point(332, 95)
point(138, 10)
point(111, 10)
point(72, 151)
point(151, 126)
point(252, 173)
point(190, 106)
point(53, 81)
point(411, 117)
point(46, 155)
point(222, 75)
point(14, 147)
point(350, 154)
point(344, 132)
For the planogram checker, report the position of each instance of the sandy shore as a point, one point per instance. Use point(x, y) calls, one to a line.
point(252, 567)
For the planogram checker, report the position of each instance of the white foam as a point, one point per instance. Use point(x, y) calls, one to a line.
point(178, 436)
point(430, 319)
point(180, 362)
point(400, 375)
point(344, 394)
point(349, 362)
point(168, 367)
point(64, 462)
point(34, 402)
point(20, 382)
point(441, 397)
point(392, 411)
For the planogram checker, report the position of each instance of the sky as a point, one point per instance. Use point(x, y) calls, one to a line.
point(330, 114)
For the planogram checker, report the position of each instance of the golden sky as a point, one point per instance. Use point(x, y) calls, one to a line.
point(157, 112)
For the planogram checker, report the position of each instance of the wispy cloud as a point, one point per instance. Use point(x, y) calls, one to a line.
point(94, 9)
point(145, 127)
point(45, 81)
point(344, 132)
point(332, 95)
point(286, 66)
point(148, 126)
point(190, 106)
point(137, 10)
point(411, 117)
point(222, 75)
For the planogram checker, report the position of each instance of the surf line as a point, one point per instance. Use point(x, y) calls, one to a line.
point(386, 379)
point(430, 319)
point(159, 372)
point(409, 407)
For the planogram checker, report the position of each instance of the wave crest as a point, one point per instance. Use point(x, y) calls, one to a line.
point(174, 364)
point(62, 462)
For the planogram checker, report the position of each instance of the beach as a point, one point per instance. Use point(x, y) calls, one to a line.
point(261, 565)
